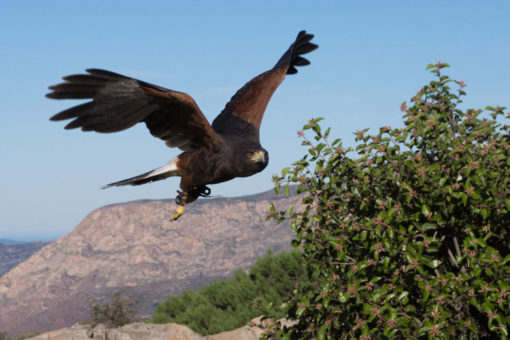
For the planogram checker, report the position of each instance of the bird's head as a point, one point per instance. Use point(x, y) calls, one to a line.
point(256, 159)
point(250, 159)
point(258, 156)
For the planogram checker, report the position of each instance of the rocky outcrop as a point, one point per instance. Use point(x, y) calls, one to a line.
point(142, 331)
point(135, 248)
point(170, 331)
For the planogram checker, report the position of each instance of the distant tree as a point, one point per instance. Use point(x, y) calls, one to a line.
point(412, 233)
point(116, 312)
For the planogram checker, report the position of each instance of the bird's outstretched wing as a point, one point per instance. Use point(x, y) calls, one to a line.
point(119, 102)
point(246, 108)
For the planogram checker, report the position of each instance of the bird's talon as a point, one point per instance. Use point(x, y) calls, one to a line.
point(178, 212)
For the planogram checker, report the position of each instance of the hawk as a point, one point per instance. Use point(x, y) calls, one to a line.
point(212, 153)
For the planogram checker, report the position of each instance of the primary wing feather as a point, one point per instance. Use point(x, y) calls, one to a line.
point(119, 102)
point(243, 114)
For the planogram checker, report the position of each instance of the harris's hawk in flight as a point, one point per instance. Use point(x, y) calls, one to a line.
point(213, 153)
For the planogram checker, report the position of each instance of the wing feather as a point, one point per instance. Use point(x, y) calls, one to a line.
point(119, 102)
point(73, 112)
point(244, 113)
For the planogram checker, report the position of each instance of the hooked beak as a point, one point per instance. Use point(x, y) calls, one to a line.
point(258, 157)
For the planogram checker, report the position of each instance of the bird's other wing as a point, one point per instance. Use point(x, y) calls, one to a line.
point(246, 108)
point(119, 102)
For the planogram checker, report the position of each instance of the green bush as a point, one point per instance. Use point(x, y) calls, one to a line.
point(116, 312)
point(228, 304)
point(411, 234)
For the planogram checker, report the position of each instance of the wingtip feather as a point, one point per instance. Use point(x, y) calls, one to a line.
point(301, 45)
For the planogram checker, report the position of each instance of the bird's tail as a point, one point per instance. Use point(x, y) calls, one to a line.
point(163, 172)
point(292, 57)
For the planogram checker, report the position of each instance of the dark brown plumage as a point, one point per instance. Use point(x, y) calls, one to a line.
point(212, 154)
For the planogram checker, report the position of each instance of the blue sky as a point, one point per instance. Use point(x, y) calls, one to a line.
point(372, 57)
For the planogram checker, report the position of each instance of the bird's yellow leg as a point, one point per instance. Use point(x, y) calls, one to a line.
point(182, 197)
point(178, 212)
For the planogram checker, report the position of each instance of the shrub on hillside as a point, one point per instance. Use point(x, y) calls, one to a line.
point(228, 304)
point(411, 234)
point(118, 311)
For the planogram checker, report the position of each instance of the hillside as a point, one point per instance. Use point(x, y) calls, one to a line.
point(13, 254)
point(133, 246)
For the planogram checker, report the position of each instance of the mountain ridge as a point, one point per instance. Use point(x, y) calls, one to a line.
point(134, 247)
point(13, 254)
point(10, 242)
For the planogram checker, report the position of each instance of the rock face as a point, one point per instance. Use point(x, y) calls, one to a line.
point(141, 331)
point(12, 254)
point(135, 248)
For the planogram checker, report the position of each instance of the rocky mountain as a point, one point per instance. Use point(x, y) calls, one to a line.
point(12, 254)
point(135, 248)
